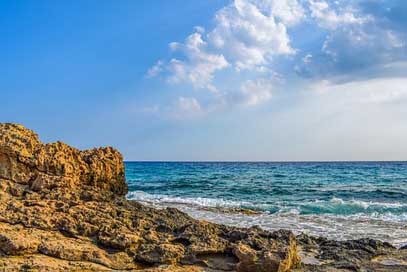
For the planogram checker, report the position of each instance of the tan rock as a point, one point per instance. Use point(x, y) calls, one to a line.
point(17, 240)
point(161, 253)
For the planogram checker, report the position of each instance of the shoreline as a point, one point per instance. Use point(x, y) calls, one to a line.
point(62, 209)
point(347, 227)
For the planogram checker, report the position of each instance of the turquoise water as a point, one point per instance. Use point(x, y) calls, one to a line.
point(338, 200)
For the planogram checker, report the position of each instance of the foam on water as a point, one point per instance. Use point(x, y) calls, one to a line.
point(197, 201)
point(334, 203)
point(335, 200)
point(386, 227)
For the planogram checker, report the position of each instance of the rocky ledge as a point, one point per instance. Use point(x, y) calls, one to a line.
point(62, 209)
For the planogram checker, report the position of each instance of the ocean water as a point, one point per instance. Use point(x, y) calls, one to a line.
point(341, 200)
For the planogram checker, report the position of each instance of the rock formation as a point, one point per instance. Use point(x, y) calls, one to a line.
point(62, 209)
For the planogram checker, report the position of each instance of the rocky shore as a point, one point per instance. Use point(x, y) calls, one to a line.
point(62, 209)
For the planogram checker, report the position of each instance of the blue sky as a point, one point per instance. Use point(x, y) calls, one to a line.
point(210, 80)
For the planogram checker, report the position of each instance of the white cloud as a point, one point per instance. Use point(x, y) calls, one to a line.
point(307, 58)
point(255, 92)
point(389, 91)
point(289, 12)
point(174, 46)
point(177, 70)
point(373, 91)
point(199, 66)
point(247, 36)
point(362, 46)
point(355, 40)
point(199, 29)
point(156, 69)
point(250, 42)
point(330, 18)
point(189, 105)
point(183, 108)
point(361, 120)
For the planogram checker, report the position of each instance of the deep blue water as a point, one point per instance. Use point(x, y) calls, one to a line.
point(341, 199)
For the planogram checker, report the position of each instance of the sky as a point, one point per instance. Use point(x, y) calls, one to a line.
point(213, 80)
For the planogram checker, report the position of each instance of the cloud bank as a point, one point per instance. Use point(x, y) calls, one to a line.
point(264, 45)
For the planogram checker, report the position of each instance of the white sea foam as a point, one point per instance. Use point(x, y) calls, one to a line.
point(196, 201)
point(385, 226)
point(331, 226)
point(367, 204)
point(335, 201)
point(162, 200)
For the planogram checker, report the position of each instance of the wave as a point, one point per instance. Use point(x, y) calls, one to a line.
point(335, 218)
point(385, 227)
point(335, 206)
point(194, 201)
point(367, 204)
point(339, 206)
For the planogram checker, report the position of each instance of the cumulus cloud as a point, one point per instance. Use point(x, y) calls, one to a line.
point(289, 12)
point(199, 66)
point(252, 40)
point(246, 36)
point(356, 39)
point(332, 18)
point(358, 48)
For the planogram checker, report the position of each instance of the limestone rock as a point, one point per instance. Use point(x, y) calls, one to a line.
point(24, 159)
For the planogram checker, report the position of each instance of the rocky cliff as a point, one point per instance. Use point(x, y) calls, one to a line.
point(62, 209)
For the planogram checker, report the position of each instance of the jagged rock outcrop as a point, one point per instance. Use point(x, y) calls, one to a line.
point(57, 167)
point(62, 209)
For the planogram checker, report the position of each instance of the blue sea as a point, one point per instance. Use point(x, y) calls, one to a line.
point(339, 200)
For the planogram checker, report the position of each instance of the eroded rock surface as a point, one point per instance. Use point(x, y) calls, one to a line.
point(62, 209)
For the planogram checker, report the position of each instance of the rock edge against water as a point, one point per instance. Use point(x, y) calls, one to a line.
point(62, 209)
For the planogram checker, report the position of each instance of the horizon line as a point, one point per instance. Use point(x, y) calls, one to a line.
point(271, 161)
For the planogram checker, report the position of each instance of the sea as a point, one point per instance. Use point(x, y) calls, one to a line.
point(337, 200)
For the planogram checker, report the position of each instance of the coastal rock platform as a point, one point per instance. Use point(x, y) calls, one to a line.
point(62, 209)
